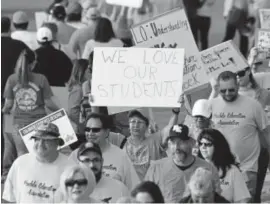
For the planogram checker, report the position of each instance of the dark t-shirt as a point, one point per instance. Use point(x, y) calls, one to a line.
point(54, 64)
point(10, 51)
point(30, 100)
point(218, 199)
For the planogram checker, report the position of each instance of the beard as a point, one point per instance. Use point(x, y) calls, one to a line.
point(98, 176)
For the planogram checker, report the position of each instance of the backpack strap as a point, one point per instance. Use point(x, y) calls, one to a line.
point(123, 143)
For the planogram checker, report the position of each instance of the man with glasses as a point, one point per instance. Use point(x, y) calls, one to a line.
point(34, 177)
point(173, 173)
point(116, 163)
point(241, 119)
point(107, 190)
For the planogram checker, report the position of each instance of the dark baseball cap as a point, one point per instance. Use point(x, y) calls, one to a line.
point(58, 12)
point(89, 146)
point(179, 131)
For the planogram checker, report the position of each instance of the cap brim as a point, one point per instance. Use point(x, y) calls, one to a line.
point(181, 138)
point(61, 141)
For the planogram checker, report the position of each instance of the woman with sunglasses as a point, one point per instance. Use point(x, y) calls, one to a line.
point(214, 148)
point(76, 185)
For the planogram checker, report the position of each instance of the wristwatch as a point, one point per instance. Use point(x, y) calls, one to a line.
point(175, 112)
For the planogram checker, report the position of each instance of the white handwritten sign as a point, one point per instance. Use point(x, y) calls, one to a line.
point(137, 77)
point(223, 57)
point(172, 30)
point(129, 3)
point(265, 18)
point(41, 17)
point(263, 44)
point(58, 118)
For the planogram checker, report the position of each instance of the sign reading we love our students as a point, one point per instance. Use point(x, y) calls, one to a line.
point(265, 18)
point(137, 77)
point(172, 30)
point(262, 42)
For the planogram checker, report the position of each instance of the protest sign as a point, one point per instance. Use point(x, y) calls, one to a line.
point(263, 44)
point(265, 18)
point(129, 3)
point(172, 30)
point(58, 118)
point(223, 57)
point(41, 17)
point(137, 77)
point(115, 110)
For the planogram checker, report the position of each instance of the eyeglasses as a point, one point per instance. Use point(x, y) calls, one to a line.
point(94, 130)
point(223, 91)
point(206, 144)
point(241, 73)
point(79, 182)
point(96, 160)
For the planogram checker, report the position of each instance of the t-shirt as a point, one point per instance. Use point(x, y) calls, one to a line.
point(172, 181)
point(109, 190)
point(64, 33)
point(143, 154)
point(233, 186)
point(91, 44)
point(29, 100)
point(30, 181)
point(10, 51)
point(29, 38)
point(54, 64)
point(80, 37)
point(262, 78)
point(116, 165)
point(240, 121)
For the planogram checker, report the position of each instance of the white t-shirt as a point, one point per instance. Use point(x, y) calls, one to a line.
point(30, 181)
point(116, 165)
point(91, 44)
point(240, 122)
point(109, 190)
point(233, 186)
point(29, 38)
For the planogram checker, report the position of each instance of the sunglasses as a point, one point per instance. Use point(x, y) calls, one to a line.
point(223, 91)
point(96, 160)
point(79, 182)
point(94, 130)
point(206, 144)
point(241, 73)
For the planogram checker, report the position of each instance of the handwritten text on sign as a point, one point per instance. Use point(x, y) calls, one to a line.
point(139, 77)
point(263, 44)
point(222, 57)
point(172, 30)
point(265, 18)
point(60, 119)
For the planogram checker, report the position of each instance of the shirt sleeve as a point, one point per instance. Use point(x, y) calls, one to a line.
point(87, 50)
point(9, 193)
point(260, 117)
point(47, 91)
point(8, 92)
point(240, 190)
point(227, 7)
point(150, 174)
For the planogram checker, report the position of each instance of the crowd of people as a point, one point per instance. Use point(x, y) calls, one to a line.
point(218, 154)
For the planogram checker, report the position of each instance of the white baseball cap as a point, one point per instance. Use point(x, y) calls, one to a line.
point(44, 34)
point(201, 108)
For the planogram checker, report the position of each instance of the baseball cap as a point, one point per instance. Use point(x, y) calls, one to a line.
point(48, 131)
point(58, 12)
point(92, 13)
point(74, 8)
point(201, 108)
point(44, 34)
point(89, 146)
point(142, 113)
point(20, 17)
point(181, 131)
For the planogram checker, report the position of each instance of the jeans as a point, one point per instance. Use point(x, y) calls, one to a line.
point(262, 169)
point(203, 27)
point(230, 33)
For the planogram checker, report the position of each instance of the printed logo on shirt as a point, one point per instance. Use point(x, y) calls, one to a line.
point(39, 189)
point(138, 155)
point(109, 170)
point(26, 98)
point(106, 200)
point(229, 118)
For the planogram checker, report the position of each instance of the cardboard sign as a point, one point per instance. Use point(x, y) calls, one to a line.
point(129, 3)
point(223, 57)
point(137, 77)
point(58, 118)
point(263, 45)
point(172, 30)
point(265, 18)
point(115, 110)
point(41, 17)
